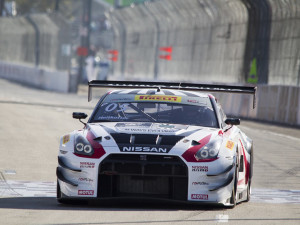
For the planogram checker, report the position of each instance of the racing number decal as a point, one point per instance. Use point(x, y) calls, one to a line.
point(112, 106)
point(123, 107)
point(230, 145)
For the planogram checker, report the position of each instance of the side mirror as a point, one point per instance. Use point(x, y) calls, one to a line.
point(233, 121)
point(79, 115)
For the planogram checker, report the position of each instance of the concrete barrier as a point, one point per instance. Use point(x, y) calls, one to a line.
point(36, 77)
point(274, 103)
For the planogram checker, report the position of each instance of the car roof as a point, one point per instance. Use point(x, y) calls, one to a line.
point(161, 92)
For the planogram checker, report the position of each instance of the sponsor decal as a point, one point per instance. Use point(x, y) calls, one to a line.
point(163, 98)
point(200, 168)
point(85, 192)
point(192, 101)
point(87, 165)
point(84, 179)
point(148, 130)
point(120, 99)
point(112, 118)
point(199, 196)
point(230, 145)
point(145, 125)
point(199, 183)
point(167, 126)
point(66, 139)
point(144, 149)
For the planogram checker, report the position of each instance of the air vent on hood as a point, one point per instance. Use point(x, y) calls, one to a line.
point(146, 139)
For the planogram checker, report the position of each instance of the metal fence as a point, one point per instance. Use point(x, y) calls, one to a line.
point(284, 62)
point(226, 41)
point(235, 41)
point(207, 40)
point(36, 40)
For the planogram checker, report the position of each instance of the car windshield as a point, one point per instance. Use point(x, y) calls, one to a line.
point(157, 112)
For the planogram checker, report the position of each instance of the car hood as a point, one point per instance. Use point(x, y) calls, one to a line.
point(149, 134)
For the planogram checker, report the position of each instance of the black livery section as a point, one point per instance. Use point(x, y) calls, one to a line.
point(149, 143)
point(143, 175)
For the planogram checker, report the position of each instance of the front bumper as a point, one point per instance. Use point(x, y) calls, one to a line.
point(152, 176)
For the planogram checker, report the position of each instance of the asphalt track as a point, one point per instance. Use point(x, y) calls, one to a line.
point(31, 124)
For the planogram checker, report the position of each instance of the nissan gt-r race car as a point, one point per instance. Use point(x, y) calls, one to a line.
point(157, 140)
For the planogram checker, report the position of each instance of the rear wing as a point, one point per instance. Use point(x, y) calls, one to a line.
point(172, 85)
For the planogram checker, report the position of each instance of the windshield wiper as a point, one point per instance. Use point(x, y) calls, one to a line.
point(142, 112)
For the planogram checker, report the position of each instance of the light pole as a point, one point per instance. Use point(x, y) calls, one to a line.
point(85, 36)
point(1, 7)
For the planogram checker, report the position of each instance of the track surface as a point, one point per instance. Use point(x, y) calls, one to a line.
point(32, 122)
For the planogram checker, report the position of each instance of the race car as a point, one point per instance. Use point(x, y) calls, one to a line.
point(157, 140)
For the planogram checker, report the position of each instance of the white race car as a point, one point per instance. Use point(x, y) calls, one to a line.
point(157, 140)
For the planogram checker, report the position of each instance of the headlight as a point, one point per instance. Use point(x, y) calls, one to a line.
point(210, 150)
point(82, 146)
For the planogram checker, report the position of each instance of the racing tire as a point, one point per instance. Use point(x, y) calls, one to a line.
point(233, 198)
point(62, 200)
point(250, 175)
point(233, 193)
point(248, 192)
point(59, 195)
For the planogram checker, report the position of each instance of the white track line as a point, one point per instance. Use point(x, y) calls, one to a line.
point(48, 189)
point(271, 133)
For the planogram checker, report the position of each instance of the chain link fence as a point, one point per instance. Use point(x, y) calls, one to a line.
point(232, 41)
point(36, 50)
point(284, 62)
point(208, 41)
point(206, 38)
point(36, 40)
point(226, 41)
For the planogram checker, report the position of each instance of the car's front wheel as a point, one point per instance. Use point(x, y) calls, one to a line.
point(248, 191)
point(233, 193)
point(59, 197)
point(233, 198)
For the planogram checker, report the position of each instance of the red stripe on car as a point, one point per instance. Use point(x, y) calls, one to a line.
point(247, 165)
point(98, 149)
point(189, 155)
